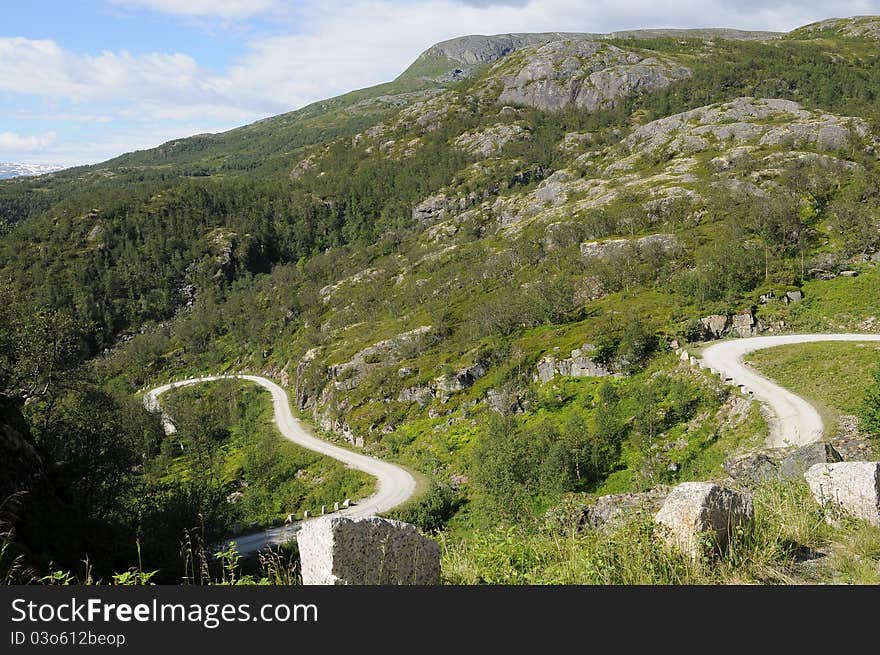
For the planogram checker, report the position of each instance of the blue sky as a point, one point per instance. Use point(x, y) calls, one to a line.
point(84, 80)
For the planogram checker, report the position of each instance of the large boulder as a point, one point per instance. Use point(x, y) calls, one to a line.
point(853, 487)
point(715, 326)
point(744, 324)
point(336, 550)
point(698, 516)
point(800, 461)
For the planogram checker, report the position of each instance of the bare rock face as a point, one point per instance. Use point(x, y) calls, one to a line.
point(348, 375)
point(336, 550)
point(583, 74)
point(866, 27)
point(851, 486)
point(700, 514)
point(579, 365)
point(611, 247)
point(489, 141)
point(744, 121)
point(744, 324)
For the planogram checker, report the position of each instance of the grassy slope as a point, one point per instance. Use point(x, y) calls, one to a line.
point(256, 451)
point(833, 376)
point(788, 523)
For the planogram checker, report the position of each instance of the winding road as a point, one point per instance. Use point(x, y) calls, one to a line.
point(795, 421)
point(394, 485)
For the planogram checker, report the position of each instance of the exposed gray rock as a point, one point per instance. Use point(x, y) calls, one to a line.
point(798, 462)
point(462, 379)
point(793, 296)
point(611, 247)
point(579, 365)
point(715, 326)
point(336, 550)
point(854, 26)
point(431, 209)
point(464, 53)
point(305, 165)
point(851, 442)
point(421, 394)
point(853, 487)
point(489, 141)
point(751, 468)
point(584, 74)
point(744, 324)
point(503, 401)
point(743, 121)
point(609, 511)
point(472, 50)
point(440, 206)
point(348, 375)
point(697, 515)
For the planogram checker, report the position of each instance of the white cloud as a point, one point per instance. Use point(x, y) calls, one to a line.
point(348, 45)
point(228, 9)
point(10, 141)
point(331, 47)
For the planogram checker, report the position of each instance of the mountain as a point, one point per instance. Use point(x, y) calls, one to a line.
point(9, 170)
point(487, 269)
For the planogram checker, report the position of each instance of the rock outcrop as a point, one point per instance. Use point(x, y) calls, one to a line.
point(461, 380)
point(754, 121)
point(579, 365)
point(489, 141)
point(860, 27)
point(348, 375)
point(301, 389)
point(336, 550)
point(741, 324)
point(697, 517)
point(853, 487)
point(802, 459)
point(583, 74)
point(611, 247)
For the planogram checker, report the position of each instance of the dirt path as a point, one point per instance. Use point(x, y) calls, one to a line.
point(394, 485)
point(796, 422)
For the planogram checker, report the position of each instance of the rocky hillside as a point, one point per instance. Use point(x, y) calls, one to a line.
point(488, 269)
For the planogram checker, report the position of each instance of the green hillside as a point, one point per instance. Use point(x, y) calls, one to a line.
point(482, 270)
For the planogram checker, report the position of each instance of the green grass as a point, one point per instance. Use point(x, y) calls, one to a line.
point(834, 376)
point(788, 524)
point(841, 304)
point(282, 477)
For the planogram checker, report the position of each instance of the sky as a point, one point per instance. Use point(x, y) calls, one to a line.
point(82, 81)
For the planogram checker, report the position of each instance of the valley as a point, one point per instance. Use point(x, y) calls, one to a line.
point(489, 274)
